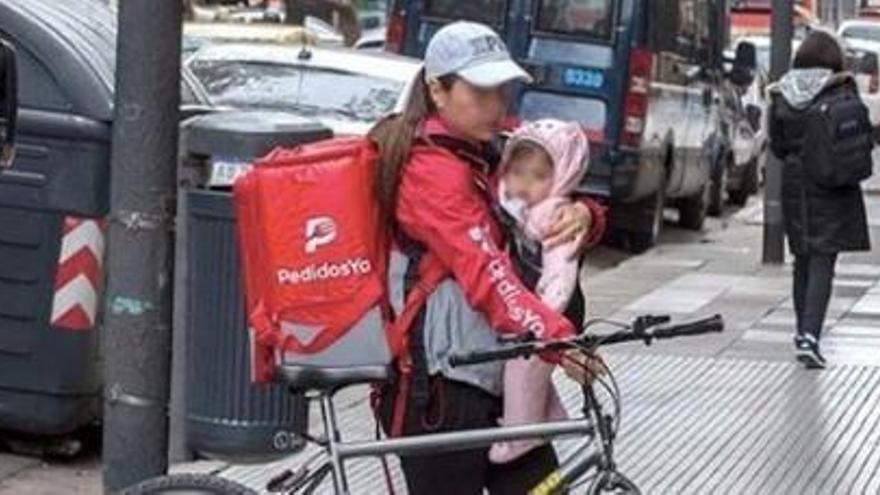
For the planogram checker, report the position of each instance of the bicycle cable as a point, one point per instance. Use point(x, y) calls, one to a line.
point(614, 323)
point(613, 390)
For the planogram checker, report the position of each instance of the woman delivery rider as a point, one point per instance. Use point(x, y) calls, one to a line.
point(437, 190)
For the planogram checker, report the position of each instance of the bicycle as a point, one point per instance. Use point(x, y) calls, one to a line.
point(596, 426)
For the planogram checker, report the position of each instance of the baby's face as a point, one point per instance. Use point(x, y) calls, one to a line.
point(529, 178)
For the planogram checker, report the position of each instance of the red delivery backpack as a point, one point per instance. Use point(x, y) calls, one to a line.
point(314, 256)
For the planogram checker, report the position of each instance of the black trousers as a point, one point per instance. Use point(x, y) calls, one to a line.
point(455, 406)
point(813, 278)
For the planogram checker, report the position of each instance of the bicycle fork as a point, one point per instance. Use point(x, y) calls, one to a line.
point(604, 431)
point(603, 460)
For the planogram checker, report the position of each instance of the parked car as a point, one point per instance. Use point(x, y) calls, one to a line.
point(199, 34)
point(373, 39)
point(862, 38)
point(861, 34)
point(345, 89)
point(746, 139)
point(746, 112)
point(324, 32)
point(642, 78)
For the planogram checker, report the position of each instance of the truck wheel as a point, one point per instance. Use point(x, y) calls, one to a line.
point(717, 190)
point(646, 236)
point(749, 186)
point(692, 210)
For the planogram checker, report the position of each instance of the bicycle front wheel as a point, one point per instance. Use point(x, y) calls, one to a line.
point(189, 484)
point(613, 484)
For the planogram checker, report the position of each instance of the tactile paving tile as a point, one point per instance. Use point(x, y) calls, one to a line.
point(708, 426)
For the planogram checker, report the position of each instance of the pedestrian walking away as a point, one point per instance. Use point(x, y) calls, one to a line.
point(819, 129)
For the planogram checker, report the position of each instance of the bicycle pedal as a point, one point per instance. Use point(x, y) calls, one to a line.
point(288, 481)
point(277, 483)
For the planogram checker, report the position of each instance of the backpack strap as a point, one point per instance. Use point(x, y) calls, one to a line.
point(431, 273)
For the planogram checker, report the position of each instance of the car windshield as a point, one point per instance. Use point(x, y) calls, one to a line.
point(303, 90)
point(485, 11)
point(762, 50)
point(582, 18)
point(871, 33)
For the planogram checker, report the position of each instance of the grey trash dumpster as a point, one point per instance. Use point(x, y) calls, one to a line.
point(52, 203)
point(226, 416)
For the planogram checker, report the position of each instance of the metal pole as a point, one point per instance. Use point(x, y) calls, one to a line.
point(137, 334)
point(774, 235)
point(836, 13)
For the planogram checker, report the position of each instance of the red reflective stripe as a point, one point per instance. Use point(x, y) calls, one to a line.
point(82, 263)
point(74, 319)
point(79, 275)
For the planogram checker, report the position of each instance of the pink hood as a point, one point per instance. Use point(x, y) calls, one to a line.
point(569, 149)
point(567, 146)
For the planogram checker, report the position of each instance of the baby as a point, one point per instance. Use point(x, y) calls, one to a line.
point(543, 163)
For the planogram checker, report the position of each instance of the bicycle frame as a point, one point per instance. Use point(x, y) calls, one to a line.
point(569, 471)
point(596, 424)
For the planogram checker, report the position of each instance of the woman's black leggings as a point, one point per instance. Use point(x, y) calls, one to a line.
point(813, 277)
point(455, 406)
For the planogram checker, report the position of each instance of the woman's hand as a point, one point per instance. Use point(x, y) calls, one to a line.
point(570, 224)
point(581, 366)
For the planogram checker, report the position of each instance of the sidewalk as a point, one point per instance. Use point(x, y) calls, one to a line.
point(726, 413)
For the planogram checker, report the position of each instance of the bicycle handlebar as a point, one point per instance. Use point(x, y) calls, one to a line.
point(640, 331)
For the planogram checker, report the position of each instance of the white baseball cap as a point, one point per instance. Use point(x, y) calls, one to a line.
point(475, 53)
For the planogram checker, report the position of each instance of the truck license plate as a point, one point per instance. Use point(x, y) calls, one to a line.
point(574, 77)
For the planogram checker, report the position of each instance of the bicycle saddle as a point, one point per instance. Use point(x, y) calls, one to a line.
point(299, 377)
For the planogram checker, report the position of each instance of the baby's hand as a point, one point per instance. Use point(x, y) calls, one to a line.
point(570, 224)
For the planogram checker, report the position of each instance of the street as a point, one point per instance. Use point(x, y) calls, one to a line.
point(728, 413)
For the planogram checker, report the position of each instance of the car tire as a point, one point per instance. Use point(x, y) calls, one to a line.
point(693, 210)
point(646, 237)
point(718, 190)
point(749, 186)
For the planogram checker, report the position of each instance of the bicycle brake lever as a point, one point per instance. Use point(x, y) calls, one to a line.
point(642, 324)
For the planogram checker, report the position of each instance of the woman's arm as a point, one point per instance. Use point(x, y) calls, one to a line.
point(439, 206)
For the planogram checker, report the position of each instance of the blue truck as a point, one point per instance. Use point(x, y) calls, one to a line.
point(645, 78)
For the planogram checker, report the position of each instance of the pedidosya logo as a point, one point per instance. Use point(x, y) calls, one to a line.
point(321, 231)
point(355, 267)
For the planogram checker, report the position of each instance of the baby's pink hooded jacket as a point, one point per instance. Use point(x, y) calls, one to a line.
point(567, 146)
point(529, 394)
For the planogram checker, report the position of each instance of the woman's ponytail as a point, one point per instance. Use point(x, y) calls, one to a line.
point(394, 138)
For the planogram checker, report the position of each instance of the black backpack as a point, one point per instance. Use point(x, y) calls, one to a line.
point(838, 140)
